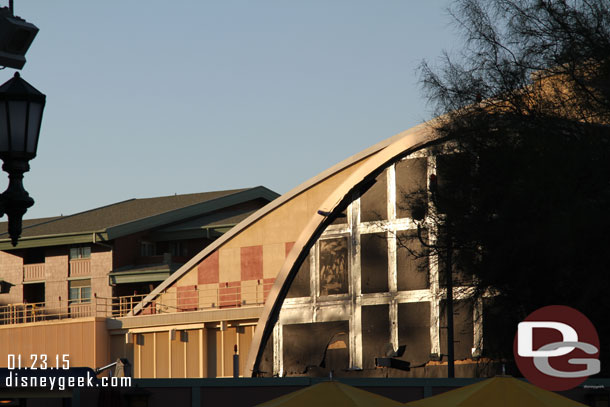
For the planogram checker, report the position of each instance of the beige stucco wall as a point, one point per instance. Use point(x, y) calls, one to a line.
point(192, 351)
point(85, 341)
point(101, 265)
point(11, 267)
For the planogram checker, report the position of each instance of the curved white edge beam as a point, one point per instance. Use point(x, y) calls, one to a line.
point(413, 140)
point(270, 207)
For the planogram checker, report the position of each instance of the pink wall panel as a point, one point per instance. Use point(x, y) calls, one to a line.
point(230, 294)
point(251, 263)
point(208, 271)
point(187, 298)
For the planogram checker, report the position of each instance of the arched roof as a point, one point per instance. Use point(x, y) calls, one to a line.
point(268, 209)
point(393, 149)
point(368, 163)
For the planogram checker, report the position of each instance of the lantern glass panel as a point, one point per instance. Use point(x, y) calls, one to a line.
point(3, 128)
point(17, 111)
point(34, 120)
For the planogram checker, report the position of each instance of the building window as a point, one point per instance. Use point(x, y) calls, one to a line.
point(147, 249)
point(80, 291)
point(177, 249)
point(82, 252)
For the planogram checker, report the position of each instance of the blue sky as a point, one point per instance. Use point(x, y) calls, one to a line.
point(151, 98)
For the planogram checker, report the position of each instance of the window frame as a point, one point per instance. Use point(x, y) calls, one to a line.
point(82, 288)
point(79, 252)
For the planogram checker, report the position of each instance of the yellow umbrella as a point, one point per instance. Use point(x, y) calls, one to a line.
point(501, 391)
point(331, 394)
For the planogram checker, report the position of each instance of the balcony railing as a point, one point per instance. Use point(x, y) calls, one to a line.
point(80, 267)
point(195, 299)
point(183, 299)
point(33, 272)
point(48, 311)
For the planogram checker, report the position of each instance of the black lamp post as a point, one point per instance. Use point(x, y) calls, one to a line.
point(21, 107)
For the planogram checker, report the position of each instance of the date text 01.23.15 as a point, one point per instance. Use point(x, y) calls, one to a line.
point(38, 361)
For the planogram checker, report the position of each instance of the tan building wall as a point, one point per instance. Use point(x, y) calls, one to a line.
point(85, 341)
point(11, 267)
point(58, 270)
point(184, 352)
point(188, 345)
point(101, 265)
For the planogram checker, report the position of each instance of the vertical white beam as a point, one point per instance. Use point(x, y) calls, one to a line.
point(394, 323)
point(477, 323)
point(355, 337)
point(354, 271)
point(391, 191)
point(355, 288)
point(392, 267)
point(435, 294)
point(314, 280)
point(278, 360)
point(391, 233)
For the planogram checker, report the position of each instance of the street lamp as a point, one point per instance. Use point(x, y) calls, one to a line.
point(21, 107)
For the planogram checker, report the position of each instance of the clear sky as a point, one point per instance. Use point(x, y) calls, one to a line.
point(151, 98)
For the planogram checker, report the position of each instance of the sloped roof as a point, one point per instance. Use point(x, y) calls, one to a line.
point(130, 216)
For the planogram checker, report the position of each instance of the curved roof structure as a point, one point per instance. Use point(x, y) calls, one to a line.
point(409, 142)
point(295, 219)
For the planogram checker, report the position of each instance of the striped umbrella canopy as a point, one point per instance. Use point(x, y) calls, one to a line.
point(331, 394)
point(500, 391)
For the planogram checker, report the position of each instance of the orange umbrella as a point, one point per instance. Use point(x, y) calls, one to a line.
point(500, 391)
point(331, 394)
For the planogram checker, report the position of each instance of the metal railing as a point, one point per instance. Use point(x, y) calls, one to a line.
point(49, 311)
point(190, 298)
point(193, 298)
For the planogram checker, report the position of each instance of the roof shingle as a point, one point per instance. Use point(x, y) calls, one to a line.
point(111, 215)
